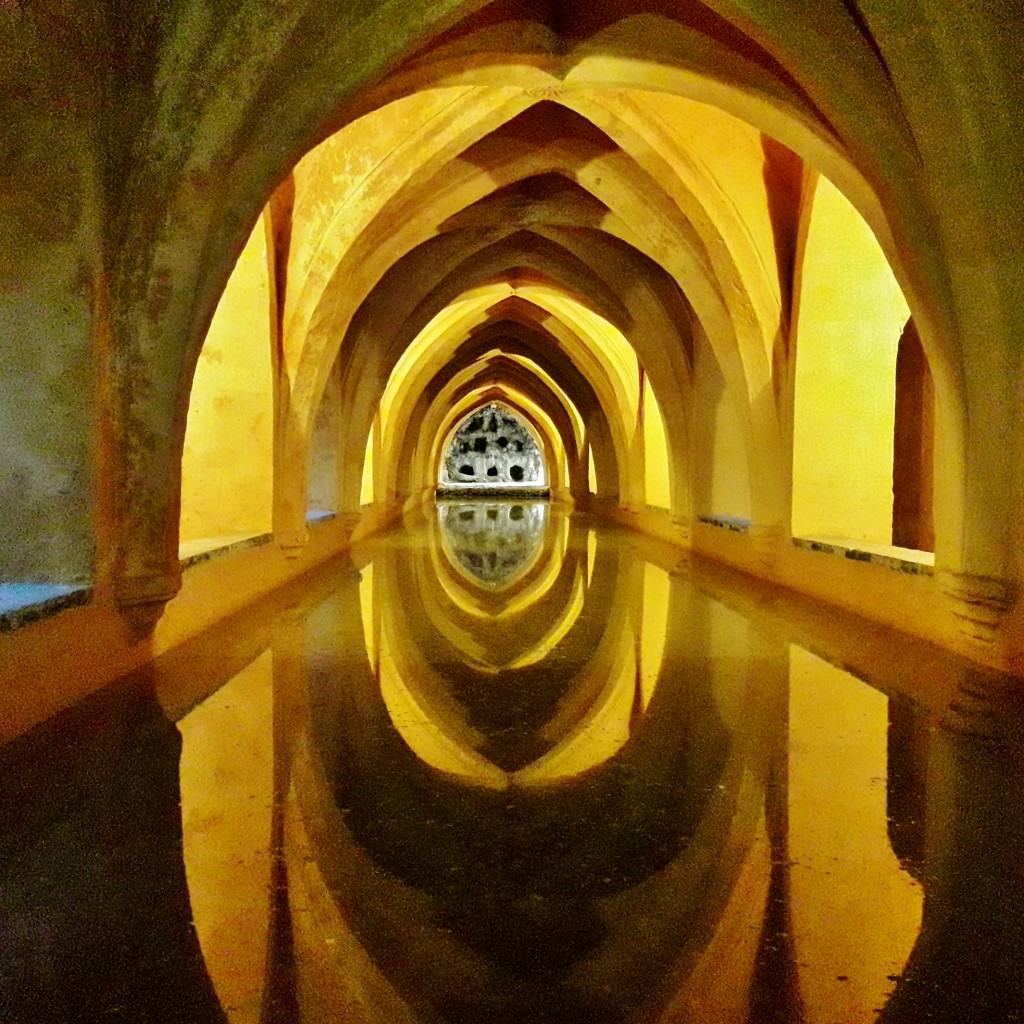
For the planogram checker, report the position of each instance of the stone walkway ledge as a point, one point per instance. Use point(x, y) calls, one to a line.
point(23, 603)
point(908, 560)
point(734, 523)
point(195, 552)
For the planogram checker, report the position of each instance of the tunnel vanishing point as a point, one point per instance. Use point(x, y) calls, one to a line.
point(747, 273)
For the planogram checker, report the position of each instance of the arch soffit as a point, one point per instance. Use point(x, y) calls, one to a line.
point(514, 341)
point(496, 303)
point(418, 458)
point(830, 112)
point(615, 398)
point(416, 376)
point(613, 175)
point(401, 319)
point(495, 360)
point(373, 323)
point(684, 62)
point(184, 248)
point(365, 360)
point(493, 373)
point(529, 377)
point(499, 379)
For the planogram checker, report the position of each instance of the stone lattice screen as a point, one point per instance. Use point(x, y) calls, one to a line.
point(492, 451)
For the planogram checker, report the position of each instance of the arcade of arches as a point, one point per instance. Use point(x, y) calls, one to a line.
point(748, 271)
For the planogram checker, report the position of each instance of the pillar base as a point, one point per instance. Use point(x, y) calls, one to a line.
point(988, 705)
point(979, 603)
point(765, 544)
point(141, 600)
point(292, 542)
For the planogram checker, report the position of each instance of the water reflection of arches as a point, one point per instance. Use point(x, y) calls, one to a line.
point(714, 846)
point(494, 543)
point(711, 885)
point(513, 877)
point(566, 654)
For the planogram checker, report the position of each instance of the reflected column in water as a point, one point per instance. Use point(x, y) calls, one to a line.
point(711, 900)
point(856, 911)
point(227, 777)
point(95, 923)
point(596, 794)
point(968, 966)
point(336, 895)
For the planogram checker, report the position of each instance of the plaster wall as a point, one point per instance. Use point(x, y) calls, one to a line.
point(657, 487)
point(850, 316)
point(227, 465)
point(49, 261)
point(324, 484)
point(46, 422)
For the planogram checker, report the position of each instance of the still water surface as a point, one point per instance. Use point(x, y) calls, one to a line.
point(514, 768)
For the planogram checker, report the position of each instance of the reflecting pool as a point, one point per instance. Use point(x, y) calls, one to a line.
point(512, 767)
point(494, 541)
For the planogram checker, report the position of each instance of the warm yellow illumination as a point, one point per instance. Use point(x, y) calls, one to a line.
point(598, 714)
point(851, 316)
point(519, 598)
point(227, 796)
point(601, 732)
point(844, 867)
point(366, 495)
point(721, 472)
point(441, 740)
point(654, 628)
point(371, 624)
point(728, 637)
point(227, 465)
point(444, 419)
point(596, 347)
point(559, 628)
point(656, 458)
point(602, 337)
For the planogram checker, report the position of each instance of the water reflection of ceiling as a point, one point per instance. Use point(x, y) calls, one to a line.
point(466, 799)
point(494, 542)
point(696, 874)
point(472, 606)
point(501, 699)
point(603, 832)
